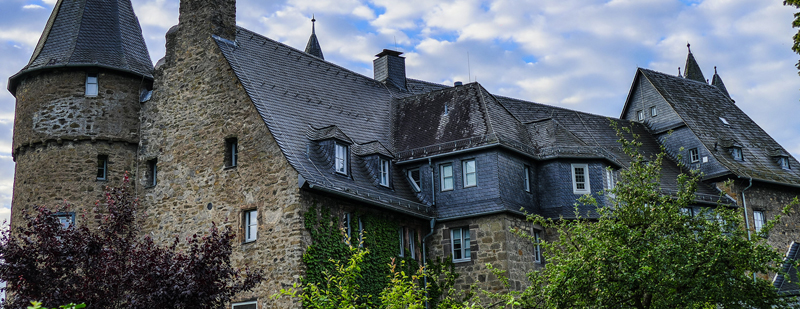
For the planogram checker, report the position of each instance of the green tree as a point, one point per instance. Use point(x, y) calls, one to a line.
point(644, 252)
point(795, 24)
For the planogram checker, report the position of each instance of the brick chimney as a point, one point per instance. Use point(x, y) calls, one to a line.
point(390, 68)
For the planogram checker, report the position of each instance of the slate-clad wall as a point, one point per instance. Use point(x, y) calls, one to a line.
point(684, 138)
point(392, 69)
point(464, 201)
point(644, 96)
point(512, 182)
point(554, 187)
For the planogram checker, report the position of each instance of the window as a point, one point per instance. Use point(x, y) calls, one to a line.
point(346, 219)
point(384, 172)
point(611, 181)
point(66, 219)
point(231, 152)
point(653, 111)
point(694, 156)
point(459, 242)
point(411, 239)
point(640, 115)
point(341, 159)
point(415, 179)
point(758, 220)
point(446, 172)
point(250, 225)
point(102, 167)
point(152, 172)
point(360, 232)
point(686, 211)
point(91, 85)
point(725, 121)
point(580, 179)
point(783, 162)
point(402, 241)
point(245, 305)
point(470, 177)
point(736, 152)
point(526, 178)
point(537, 249)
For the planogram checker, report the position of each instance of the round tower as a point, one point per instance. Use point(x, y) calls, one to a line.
point(76, 127)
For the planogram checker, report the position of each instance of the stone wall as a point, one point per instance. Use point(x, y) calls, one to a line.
point(770, 199)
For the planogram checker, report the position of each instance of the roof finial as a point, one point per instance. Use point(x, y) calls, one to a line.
point(313, 20)
point(715, 69)
point(689, 46)
point(679, 72)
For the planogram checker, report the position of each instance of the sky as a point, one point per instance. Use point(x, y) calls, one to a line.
point(578, 54)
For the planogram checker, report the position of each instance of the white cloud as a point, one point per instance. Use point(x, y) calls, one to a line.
point(50, 2)
point(32, 7)
point(25, 36)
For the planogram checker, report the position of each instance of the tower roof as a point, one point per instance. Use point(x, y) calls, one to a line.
point(312, 48)
point(90, 33)
point(717, 82)
point(692, 70)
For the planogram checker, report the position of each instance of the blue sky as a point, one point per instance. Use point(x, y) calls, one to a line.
point(579, 54)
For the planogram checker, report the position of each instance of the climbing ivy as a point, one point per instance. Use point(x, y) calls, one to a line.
point(380, 238)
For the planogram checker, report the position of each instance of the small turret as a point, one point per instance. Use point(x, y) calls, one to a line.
point(312, 48)
point(717, 82)
point(691, 69)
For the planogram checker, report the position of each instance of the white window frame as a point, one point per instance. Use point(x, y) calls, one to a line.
point(537, 247)
point(102, 171)
point(611, 181)
point(694, 155)
point(414, 184)
point(400, 231)
point(384, 173)
point(758, 220)
point(736, 153)
point(575, 183)
point(783, 162)
point(470, 176)
point(250, 225)
point(653, 111)
point(237, 305)
point(640, 115)
point(464, 243)
point(446, 179)
point(92, 85)
point(340, 158)
point(526, 178)
point(411, 238)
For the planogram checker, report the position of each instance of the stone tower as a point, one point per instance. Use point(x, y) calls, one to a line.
point(76, 127)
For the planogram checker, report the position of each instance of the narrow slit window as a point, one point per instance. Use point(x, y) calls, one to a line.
point(251, 225)
point(346, 220)
point(102, 167)
point(526, 178)
point(340, 159)
point(231, 152)
point(470, 174)
point(537, 247)
point(611, 181)
point(446, 173)
point(91, 85)
point(411, 242)
point(653, 111)
point(384, 172)
point(402, 242)
point(152, 172)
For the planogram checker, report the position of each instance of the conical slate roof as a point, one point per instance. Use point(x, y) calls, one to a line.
point(717, 82)
point(90, 33)
point(692, 70)
point(312, 48)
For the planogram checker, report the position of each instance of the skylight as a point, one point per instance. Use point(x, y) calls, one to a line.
point(725, 121)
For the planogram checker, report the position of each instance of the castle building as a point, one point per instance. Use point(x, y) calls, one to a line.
point(231, 126)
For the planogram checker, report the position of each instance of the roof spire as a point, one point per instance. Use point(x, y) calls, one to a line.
point(717, 82)
point(679, 72)
point(691, 69)
point(312, 48)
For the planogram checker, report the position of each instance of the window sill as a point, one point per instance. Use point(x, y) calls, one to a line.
point(101, 179)
point(229, 167)
point(472, 186)
point(445, 190)
point(581, 192)
point(463, 262)
point(249, 242)
point(149, 186)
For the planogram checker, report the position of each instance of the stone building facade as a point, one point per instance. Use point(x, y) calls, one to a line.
point(235, 128)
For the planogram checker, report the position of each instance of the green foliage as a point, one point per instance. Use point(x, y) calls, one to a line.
point(642, 252)
point(403, 291)
point(38, 305)
point(795, 24)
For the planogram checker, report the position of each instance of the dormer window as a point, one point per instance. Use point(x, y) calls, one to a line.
point(340, 159)
point(384, 172)
point(736, 152)
point(725, 121)
point(640, 115)
point(694, 156)
point(653, 111)
point(91, 85)
point(783, 162)
point(415, 179)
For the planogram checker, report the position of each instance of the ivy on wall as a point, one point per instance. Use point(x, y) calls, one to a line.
point(328, 245)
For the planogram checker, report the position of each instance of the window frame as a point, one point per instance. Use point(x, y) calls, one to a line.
point(244, 303)
point(694, 155)
point(442, 177)
point(249, 236)
point(526, 178)
point(65, 214)
point(102, 176)
point(783, 162)
point(464, 251)
point(653, 111)
point(587, 186)
point(95, 83)
point(411, 238)
point(231, 152)
point(537, 246)
point(417, 187)
point(640, 115)
point(347, 220)
point(759, 221)
point(383, 174)
point(737, 153)
point(400, 232)
point(611, 181)
point(340, 158)
point(465, 174)
point(152, 173)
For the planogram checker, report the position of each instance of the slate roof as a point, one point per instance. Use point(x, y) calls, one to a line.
point(789, 286)
point(90, 33)
point(692, 69)
point(700, 106)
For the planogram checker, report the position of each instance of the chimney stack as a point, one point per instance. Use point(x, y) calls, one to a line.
point(390, 68)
